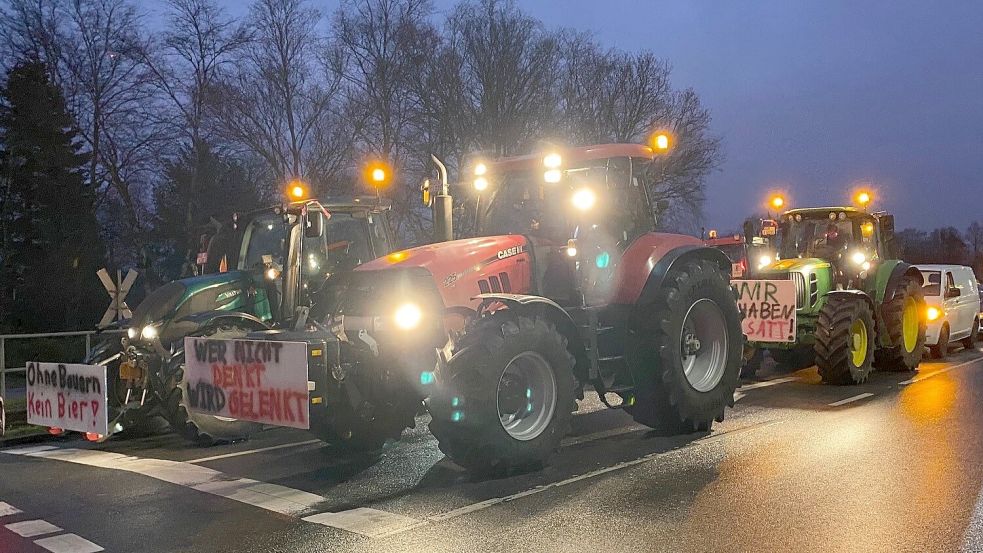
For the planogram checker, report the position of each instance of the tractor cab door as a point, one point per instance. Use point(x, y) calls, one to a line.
point(887, 244)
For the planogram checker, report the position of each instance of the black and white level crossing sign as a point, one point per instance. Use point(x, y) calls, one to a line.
point(117, 292)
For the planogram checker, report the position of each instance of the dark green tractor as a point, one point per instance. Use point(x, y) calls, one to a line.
point(857, 305)
point(246, 288)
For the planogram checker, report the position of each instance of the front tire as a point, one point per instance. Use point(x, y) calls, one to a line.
point(941, 350)
point(905, 323)
point(505, 399)
point(196, 427)
point(685, 351)
point(845, 339)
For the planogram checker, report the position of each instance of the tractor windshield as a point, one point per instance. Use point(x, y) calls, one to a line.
point(600, 196)
point(266, 234)
point(825, 235)
point(349, 239)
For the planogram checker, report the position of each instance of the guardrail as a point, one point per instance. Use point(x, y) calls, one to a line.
point(4, 338)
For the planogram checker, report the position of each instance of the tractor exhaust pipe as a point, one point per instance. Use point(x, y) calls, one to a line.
point(443, 207)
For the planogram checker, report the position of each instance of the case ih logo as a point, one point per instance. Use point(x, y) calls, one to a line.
point(514, 250)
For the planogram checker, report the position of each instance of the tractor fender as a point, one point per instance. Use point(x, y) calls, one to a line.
point(855, 294)
point(549, 309)
point(890, 275)
point(186, 326)
point(676, 258)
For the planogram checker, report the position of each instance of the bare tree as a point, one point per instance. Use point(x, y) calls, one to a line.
point(194, 52)
point(378, 48)
point(95, 51)
point(281, 104)
point(679, 177)
point(507, 65)
point(613, 95)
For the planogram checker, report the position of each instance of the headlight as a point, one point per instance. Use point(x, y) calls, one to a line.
point(552, 161)
point(272, 273)
point(934, 313)
point(859, 258)
point(408, 316)
point(132, 333)
point(584, 199)
point(480, 183)
point(553, 176)
point(149, 332)
point(764, 261)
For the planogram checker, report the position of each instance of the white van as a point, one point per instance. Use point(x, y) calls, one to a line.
point(953, 303)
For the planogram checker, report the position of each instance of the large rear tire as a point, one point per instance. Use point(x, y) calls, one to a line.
point(195, 427)
point(685, 351)
point(506, 397)
point(905, 323)
point(845, 339)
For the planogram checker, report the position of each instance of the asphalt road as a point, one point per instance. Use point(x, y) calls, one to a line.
point(893, 465)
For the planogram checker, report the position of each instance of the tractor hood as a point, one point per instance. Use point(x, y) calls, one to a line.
point(794, 265)
point(462, 269)
point(191, 295)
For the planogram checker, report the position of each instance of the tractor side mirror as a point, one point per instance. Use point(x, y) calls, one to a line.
point(425, 193)
point(315, 224)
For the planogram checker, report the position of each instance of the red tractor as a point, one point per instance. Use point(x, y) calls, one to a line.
point(564, 285)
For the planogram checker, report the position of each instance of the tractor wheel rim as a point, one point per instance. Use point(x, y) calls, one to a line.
point(526, 396)
point(858, 343)
point(910, 324)
point(703, 345)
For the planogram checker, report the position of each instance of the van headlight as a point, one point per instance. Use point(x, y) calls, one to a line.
point(408, 316)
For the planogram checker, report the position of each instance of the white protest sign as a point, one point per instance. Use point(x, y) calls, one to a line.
point(768, 307)
point(68, 396)
point(251, 380)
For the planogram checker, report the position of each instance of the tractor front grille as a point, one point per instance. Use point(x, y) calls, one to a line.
point(805, 295)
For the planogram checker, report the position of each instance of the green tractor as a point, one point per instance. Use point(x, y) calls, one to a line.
point(857, 305)
point(245, 288)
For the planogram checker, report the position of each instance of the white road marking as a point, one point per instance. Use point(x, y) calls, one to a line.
point(857, 397)
point(577, 440)
point(921, 377)
point(367, 522)
point(766, 383)
point(6, 509)
point(68, 543)
point(252, 451)
point(741, 392)
point(31, 528)
point(272, 497)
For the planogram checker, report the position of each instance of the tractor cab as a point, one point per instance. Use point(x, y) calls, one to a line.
point(851, 241)
point(292, 250)
point(579, 208)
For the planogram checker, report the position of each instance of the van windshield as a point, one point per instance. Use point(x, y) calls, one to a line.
point(933, 283)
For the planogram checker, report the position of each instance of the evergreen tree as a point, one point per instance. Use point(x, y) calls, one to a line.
point(198, 190)
point(53, 247)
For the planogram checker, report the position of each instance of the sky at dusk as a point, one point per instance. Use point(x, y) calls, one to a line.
point(815, 97)
point(811, 97)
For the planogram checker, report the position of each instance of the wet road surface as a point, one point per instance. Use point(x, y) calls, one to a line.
point(893, 465)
